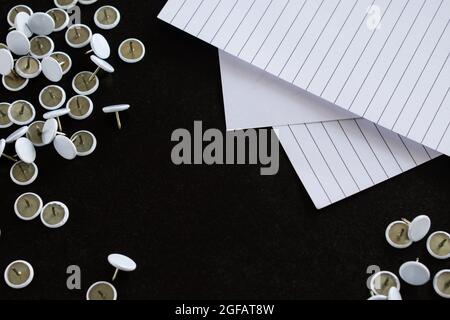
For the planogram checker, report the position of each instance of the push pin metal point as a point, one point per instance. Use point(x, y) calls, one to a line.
point(57, 114)
point(100, 46)
point(116, 110)
point(121, 263)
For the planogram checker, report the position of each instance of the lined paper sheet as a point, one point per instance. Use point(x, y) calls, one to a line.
point(384, 60)
point(338, 159)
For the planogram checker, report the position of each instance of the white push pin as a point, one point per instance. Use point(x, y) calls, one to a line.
point(57, 114)
point(441, 284)
point(21, 23)
point(394, 294)
point(24, 174)
point(107, 17)
point(100, 46)
point(101, 291)
point(34, 133)
point(55, 215)
point(50, 131)
point(5, 121)
point(13, 82)
point(21, 112)
point(12, 14)
point(101, 65)
point(78, 36)
point(19, 274)
point(402, 234)
point(117, 109)
point(52, 97)
point(85, 142)
point(41, 23)
point(41, 47)
point(382, 282)
point(28, 67)
point(81, 107)
point(19, 133)
point(86, 83)
point(2, 151)
point(65, 147)
point(64, 61)
point(376, 297)
point(28, 206)
point(132, 51)
point(6, 62)
point(121, 263)
point(415, 273)
point(25, 150)
point(60, 17)
point(18, 43)
point(87, 2)
point(52, 69)
point(66, 4)
point(438, 245)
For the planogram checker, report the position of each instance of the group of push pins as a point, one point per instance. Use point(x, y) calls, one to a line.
point(20, 274)
point(29, 52)
point(401, 235)
point(38, 56)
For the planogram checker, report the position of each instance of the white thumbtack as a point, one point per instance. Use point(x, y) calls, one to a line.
point(19, 133)
point(415, 273)
point(85, 142)
point(2, 151)
point(60, 17)
point(116, 110)
point(18, 43)
point(13, 82)
point(121, 263)
point(28, 67)
point(50, 131)
point(28, 206)
point(131, 50)
point(55, 215)
point(78, 36)
point(6, 62)
point(25, 150)
point(41, 47)
point(441, 284)
point(41, 23)
point(24, 174)
point(100, 46)
point(19, 274)
point(65, 147)
point(15, 11)
point(81, 107)
point(35, 132)
point(57, 114)
point(107, 17)
point(21, 23)
point(101, 291)
point(402, 234)
point(52, 97)
point(438, 245)
point(21, 112)
point(52, 69)
point(382, 282)
point(64, 61)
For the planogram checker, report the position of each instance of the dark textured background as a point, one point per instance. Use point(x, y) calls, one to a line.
point(196, 232)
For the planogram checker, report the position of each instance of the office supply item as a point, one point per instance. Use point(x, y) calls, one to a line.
point(52, 69)
point(55, 215)
point(117, 110)
point(415, 273)
point(80, 107)
point(441, 284)
point(35, 133)
point(2, 151)
point(17, 134)
point(60, 17)
point(12, 14)
point(52, 97)
point(19, 274)
point(64, 61)
point(438, 245)
point(18, 43)
point(65, 147)
point(41, 47)
point(13, 82)
point(41, 24)
point(24, 174)
point(25, 150)
point(28, 67)
point(101, 291)
point(107, 17)
point(28, 206)
point(85, 143)
point(56, 114)
point(121, 263)
point(132, 50)
point(100, 46)
point(78, 36)
point(21, 112)
point(382, 282)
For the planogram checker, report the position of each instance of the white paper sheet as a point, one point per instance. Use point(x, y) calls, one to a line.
point(384, 60)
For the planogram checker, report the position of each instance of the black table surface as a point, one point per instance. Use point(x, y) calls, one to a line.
point(196, 232)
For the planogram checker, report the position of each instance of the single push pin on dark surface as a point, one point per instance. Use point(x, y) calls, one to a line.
point(24, 174)
point(28, 206)
point(19, 274)
point(441, 284)
point(100, 46)
point(41, 47)
point(78, 36)
point(85, 143)
point(415, 273)
point(438, 245)
point(131, 51)
point(55, 215)
point(28, 67)
point(402, 234)
point(116, 110)
point(101, 291)
point(81, 107)
point(121, 263)
point(52, 97)
point(107, 17)
point(382, 282)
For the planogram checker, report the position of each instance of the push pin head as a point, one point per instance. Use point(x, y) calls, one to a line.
point(117, 109)
point(121, 263)
point(415, 273)
point(18, 43)
point(41, 47)
point(100, 46)
point(19, 133)
point(60, 17)
point(107, 17)
point(66, 4)
point(24, 174)
point(85, 83)
point(78, 36)
point(438, 245)
point(85, 143)
point(16, 10)
point(64, 61)
point(6, 62)
point(28, 206)
point(25, 150)
point(383, 281)
point(52, 97)
point(5, 121)
point(19, 274)
point(132, 51)
point(65, 147)
point(41, 24)
point(441, 284)
point(13, 82)
point(52, 69)
point(101, 65)
point(101, 291)
point(57, 114)
point(81, 107)
point(21, 112)
point(55, 215)
point(28, 67)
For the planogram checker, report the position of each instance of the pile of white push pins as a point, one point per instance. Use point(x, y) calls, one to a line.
point(401, 235)
point(29, 52)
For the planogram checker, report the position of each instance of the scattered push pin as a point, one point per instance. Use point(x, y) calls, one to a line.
point(28, 67)
point(402, 234)
point(21, 23)
point(35, 132)
point(60, 17)
point(13, 82)
point(28, 206)
point(64, 61)
point(65, 147)
point(78, 36)
point(101, 291)
point(86, 83)
point(21, 112)
point(107, 17)
point(52, 97)
point(87, 2)
point(394, 294)
point(57, 114)
point(18, 43)
point(100, 46)
point(438, 245)
point(415, 273)
point(25, 150)
point(50, 131)
point(132, 51)
point(121, 263)
point(16, 10)
point(85, 143)
point(66, 4)
point(441, 284)
point(52, 69)
point(5, 121)
point(117, 109)
point(41, 47)
point(41, 24)
point(55, 215)
point(2, 151)
point(376, 297)
point(101, 65)
point(24, 174)
point(19, 133)
point(81, 107)
point(19, 274)
point(6, 62)
point(383, 281)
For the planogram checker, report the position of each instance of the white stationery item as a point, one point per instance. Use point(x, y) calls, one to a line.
point(384, 60)
point(336, 157)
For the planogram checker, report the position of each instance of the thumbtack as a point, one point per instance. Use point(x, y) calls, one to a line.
point(19, 133)
point(438, 245)
point(78, 36)
point(15, 10)
point(52, 69)
point(25, 150)
point(383, 281)
point(107, 17)
point(85, 143)
point(101, 291)
point(5, 121)
point(21, 24)
point(56, 114)
point(121, 263)
point(28, 206)
point(60, 17)
point(415, 273)
point(131, 50)
point(86, 83)
point(21, 112)
point(100, 46)
point(6, 62)
point(35, 132)
point(394, 294)
point(64, 60)
point(402, 234)
point(80, 107)
point(52, 97)
point(441, 284)
point(66, 4)
point(117, 109)
point(65, 147)
point(13, 82)
point(101, 65)
point(41, 24)
point(55, 215)
point(41, 47)
point(24, 174)
point(19, 274)
point(2, 153)
point(50, 131)
point(18, 43)
point(28, 67)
